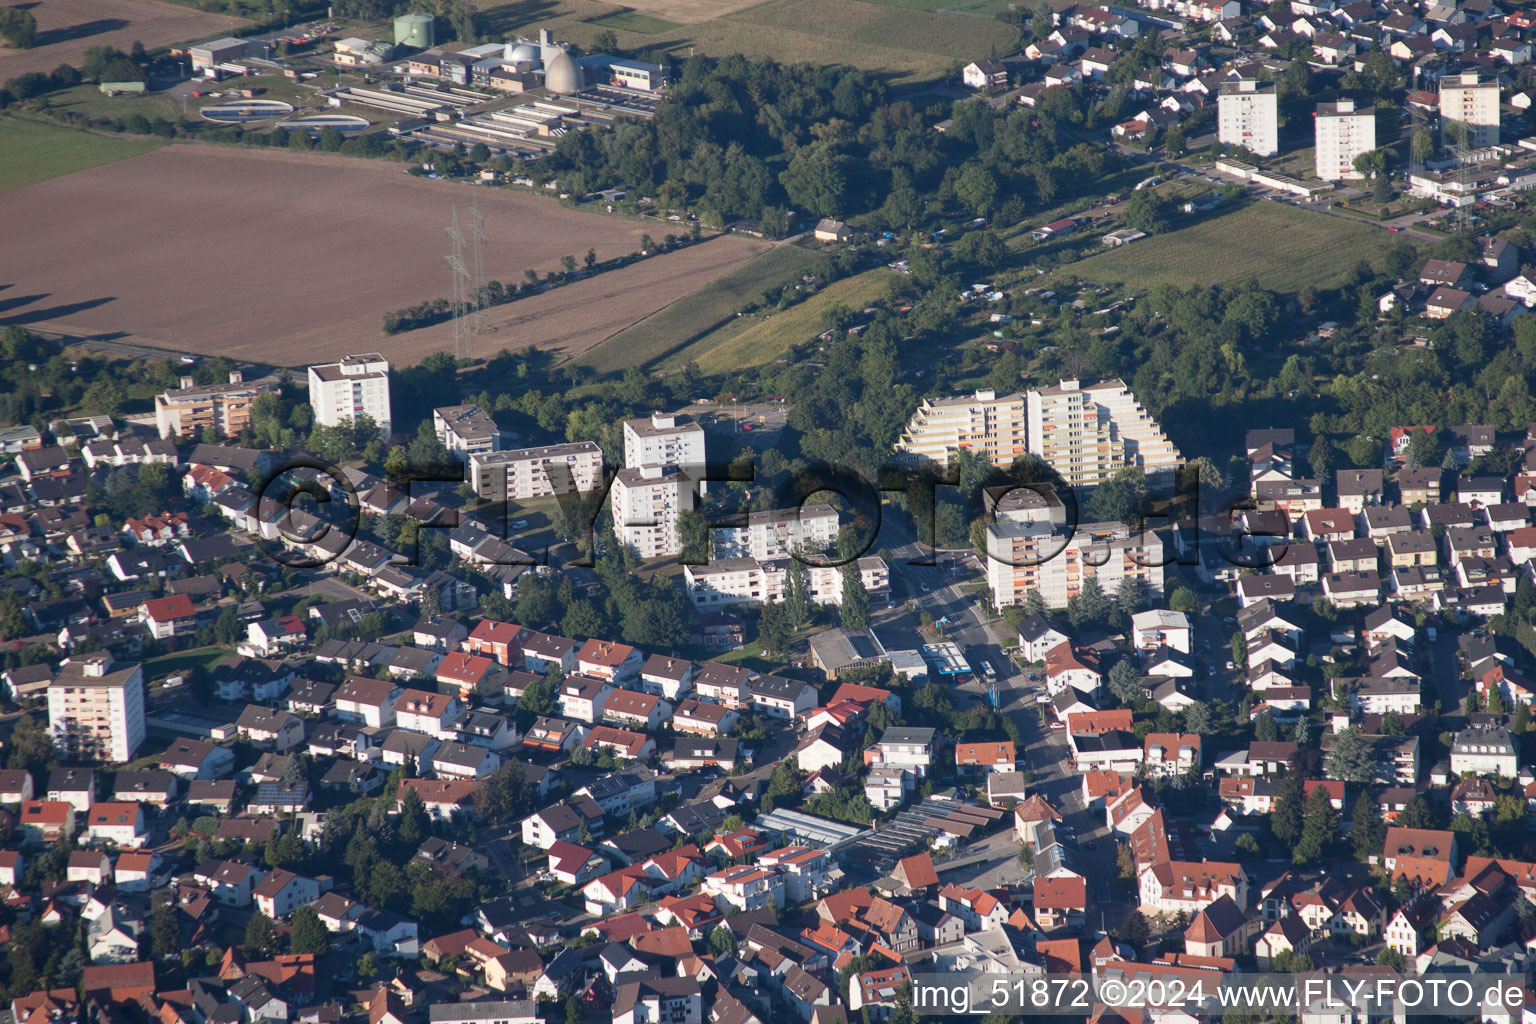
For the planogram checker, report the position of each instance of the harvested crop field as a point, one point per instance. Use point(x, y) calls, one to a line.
point(1279, 246)
point(280, 257)
point(570, 320)
point(67, 28)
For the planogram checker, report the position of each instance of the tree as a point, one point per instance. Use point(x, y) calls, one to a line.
point(308, 933)
point(1149, 212)
point(1285, 817)
point(773, 631)
point(1264, 728)
point(1422, 145)
point(538, 697)
point(722, 941)
point(164, 930)
point(854, 611)
point(797, 594)
point(260, 937)
point(1352, 758)
point(976, 189)
point(1318, 825)
point(18, 27)
point(1197, 718)
point(1125, 684)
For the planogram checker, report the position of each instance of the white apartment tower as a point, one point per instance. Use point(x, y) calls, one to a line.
point(664, 439)
point(1248, 115)
point(646, 503)
point(1341, 134)
point(1088, 434)
point(778, 533)
point(1028, 556)
point(356, 386)
point(96, 709)
point(1467, 99)
point(983, 422)
point(523, 473)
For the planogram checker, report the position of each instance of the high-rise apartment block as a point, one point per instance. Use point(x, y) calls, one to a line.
point(1037, 556)
point(646, 503)
point(778, 533)
point(1248, 115)
point(984, 422)
point(1342, 133)
point(524, 473)
point(664, 439)
point(356, 386)
point(96, 709)
point(1470, 101)
point(191, 410)
point(466, 429)
point(1086, 434)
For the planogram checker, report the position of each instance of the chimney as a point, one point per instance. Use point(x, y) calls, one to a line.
point(186, 382)
point(236, 377)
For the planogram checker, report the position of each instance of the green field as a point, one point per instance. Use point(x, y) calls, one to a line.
point(633, 21)
point(1283, 248)
point(183, 661)
point(36, 152)
point(771, 337)
point(674, 330)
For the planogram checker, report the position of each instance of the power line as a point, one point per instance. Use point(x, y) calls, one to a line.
point(461, 327)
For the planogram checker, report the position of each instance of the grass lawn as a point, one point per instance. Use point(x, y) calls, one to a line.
point(31, 152)
point(670, 332)
point(1283, 248)
point(634, 21)
point(183, 661)
point(769, 338)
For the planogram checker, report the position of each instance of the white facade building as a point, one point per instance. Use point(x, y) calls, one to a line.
point(646, 504)
point(1248, 115)
point(356, 386)
point(777, 533)
point(1087, 434)
point(524, 473)
point(1035, 556)
point(749, 581)
point(1469, 100)
point(1341, 134)
point(96, 709)
point(663, 439)
point(466, 429)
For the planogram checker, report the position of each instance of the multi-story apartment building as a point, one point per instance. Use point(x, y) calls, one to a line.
point(466, 429)
point(777, 533)
point(750, 581)
point(910, 747)
point(646, 504)
point(664, 439)
point(356, 386)
point(1022, 557)
point(985, 423)
point(190, 411)
point(1341, 133)
point(1467, 100)
point(1087, 434)
point(524, 473)
point(1248, 115)
point(96, 709)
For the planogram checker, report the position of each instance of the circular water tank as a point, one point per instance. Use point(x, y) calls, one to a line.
point(525, 51)
point(561, 75)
